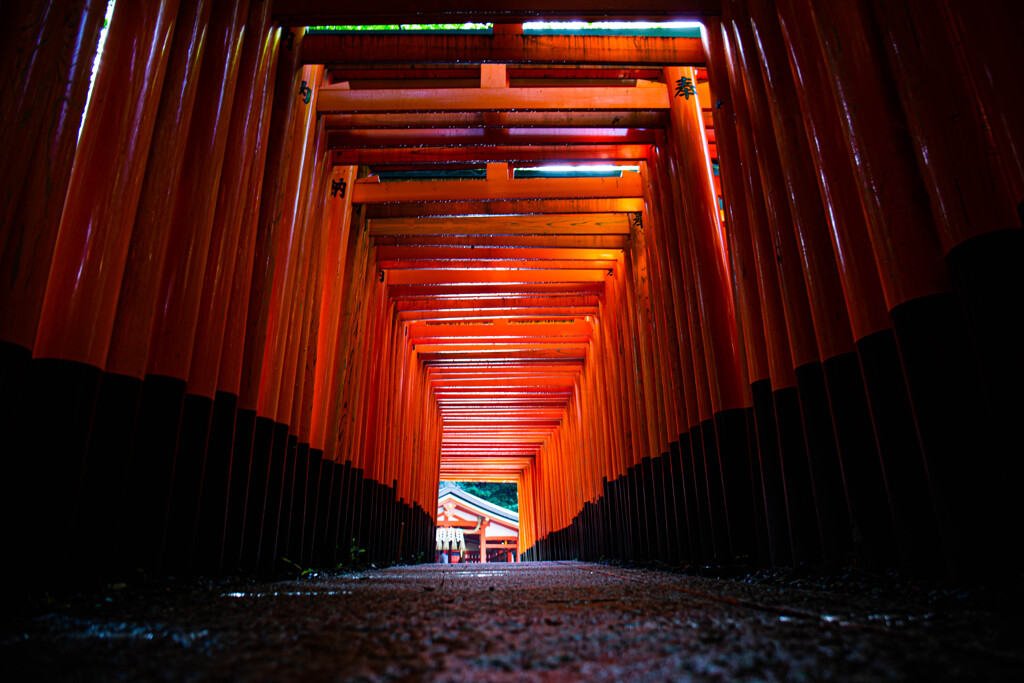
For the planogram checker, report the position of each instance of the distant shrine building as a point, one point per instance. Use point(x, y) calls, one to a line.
point(471, 529)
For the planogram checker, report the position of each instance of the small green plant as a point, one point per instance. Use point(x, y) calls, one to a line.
point(302, 572)
point(354, 552)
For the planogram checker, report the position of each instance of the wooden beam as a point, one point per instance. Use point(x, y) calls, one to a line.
point(505, 208)
point(495, 291)
point(453, 137)
point(331, 100)
point(502, 48)
point(449, 265)
point(460, 255)
point(496, 306)
point(492, 308)
point(616, 242)
point(367, 192)
point(516, 314)
point(313, 12)
point(503, 382)
point(444, 278)
point(425, 331)
point(482, 154)
point(547, 224)
point(470, 73)
point(533, 119)
point(612, 242)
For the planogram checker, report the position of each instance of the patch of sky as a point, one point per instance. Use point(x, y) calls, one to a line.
point(96, 61)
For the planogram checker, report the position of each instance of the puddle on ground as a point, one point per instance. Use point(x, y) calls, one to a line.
point(287, 594)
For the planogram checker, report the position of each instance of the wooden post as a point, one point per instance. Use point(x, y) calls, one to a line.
point(937, 359)
point(78, 310)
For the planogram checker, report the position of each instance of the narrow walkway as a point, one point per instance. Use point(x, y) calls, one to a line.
point(503, 622)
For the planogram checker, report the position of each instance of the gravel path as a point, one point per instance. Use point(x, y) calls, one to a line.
point(561, 621)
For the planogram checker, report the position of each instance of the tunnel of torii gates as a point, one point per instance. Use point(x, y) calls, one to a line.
point(228, 338)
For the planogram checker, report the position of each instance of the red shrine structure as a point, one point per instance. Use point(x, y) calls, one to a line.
point(489, 532)
point(286, 280)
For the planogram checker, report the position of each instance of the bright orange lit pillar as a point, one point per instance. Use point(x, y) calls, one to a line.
point(228, 264)
point(325, 477)
point(839, 435)
point(160, 425)
point(780, 437)
point(276, 383)
point(717, 312)
point(689, 447)
point(245, 511)
point(220, 538)
point(103, 493)
point(79, 307)
point(771, 508)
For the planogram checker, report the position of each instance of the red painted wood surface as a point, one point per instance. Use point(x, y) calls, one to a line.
point(78, 311)
point(140, 285)
point(37, 161)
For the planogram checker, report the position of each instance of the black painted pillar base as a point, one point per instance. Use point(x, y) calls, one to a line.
point(700, 490)
point(213, 497)
point(256, 496)
point(955, 429)
point(734, 455)
point(189, 465)
point(50, 442)
point(312, 505)
point(303, 502)
point(906, 478)
point(823, 463)
point(874, 534)
point(760, 521)
point(288, 501)
point(773, 485)
point(151, 472)
point(268, 556)
point(804, 532)
point(678, 509)
point(238, 490)
point(101, 518)
point(718, 516)
point(987, 279)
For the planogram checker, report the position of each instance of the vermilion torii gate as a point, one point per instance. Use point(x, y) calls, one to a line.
point(229, 335)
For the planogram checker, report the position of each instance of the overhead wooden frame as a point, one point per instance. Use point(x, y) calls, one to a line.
point(490, 153)
point(340, 101)
point(316, 12)
point(492, 189)
point(456, 137)
point(501, 48)
point(612, 118)
point(497, 285)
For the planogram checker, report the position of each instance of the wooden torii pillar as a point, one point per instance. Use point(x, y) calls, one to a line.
point(483, 540)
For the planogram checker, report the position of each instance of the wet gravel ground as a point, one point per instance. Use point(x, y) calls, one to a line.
point(562, 621)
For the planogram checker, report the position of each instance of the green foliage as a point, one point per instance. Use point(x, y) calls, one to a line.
point(499, 493)
point(354, 551)
point(296, 565)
